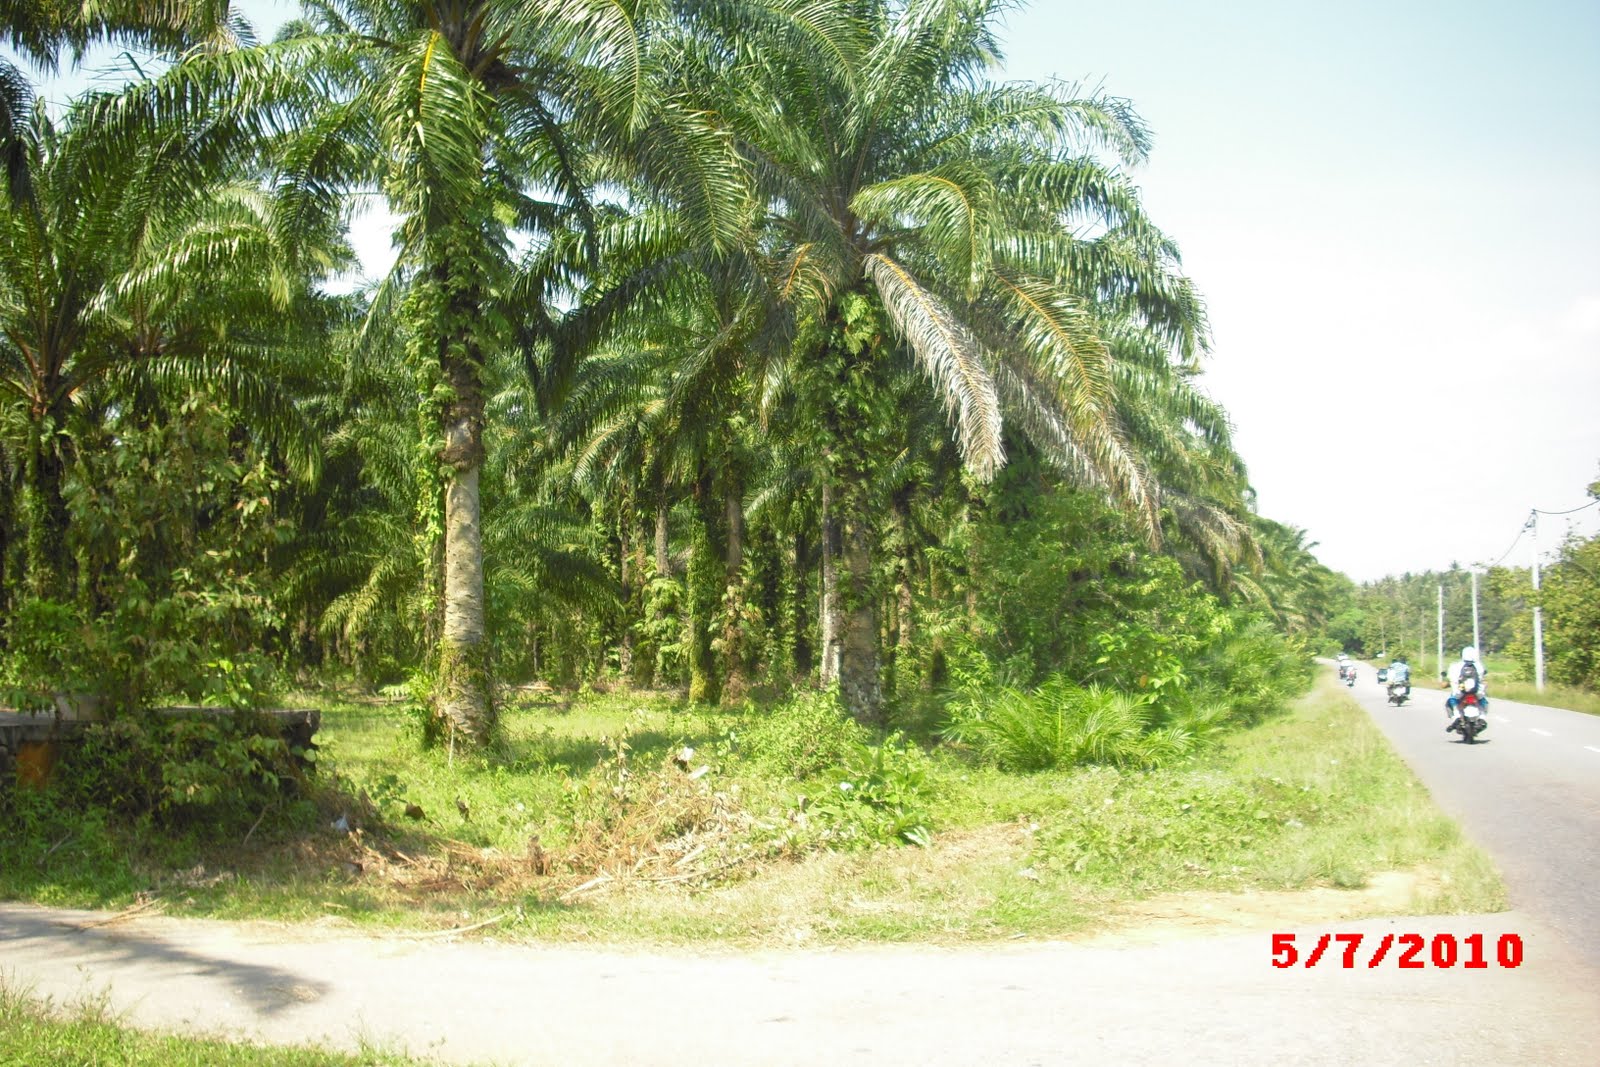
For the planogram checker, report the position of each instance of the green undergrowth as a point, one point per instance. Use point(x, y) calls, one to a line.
point(633, 817)
point(41, 1034)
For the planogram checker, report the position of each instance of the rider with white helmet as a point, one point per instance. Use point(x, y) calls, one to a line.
point(1466, 674)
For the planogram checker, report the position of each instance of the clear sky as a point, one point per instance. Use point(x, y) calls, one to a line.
point(1393, 211)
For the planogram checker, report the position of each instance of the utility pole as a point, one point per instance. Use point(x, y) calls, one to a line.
point(1475, 642)
point(1538, 612)
point(1439, 663)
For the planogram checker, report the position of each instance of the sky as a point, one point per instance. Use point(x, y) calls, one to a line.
point(1392, 210)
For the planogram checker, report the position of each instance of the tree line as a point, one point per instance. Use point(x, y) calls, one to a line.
point(1400, 614)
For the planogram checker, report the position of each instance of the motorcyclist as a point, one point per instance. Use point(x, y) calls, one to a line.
point(1469, 666)
point(1344, 666)
point(1400, 673)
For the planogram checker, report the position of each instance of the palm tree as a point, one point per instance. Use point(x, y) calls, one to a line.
point(485, 124)
point(662, 408)
point(1299, 591)
point(41, 31)
point(127, 275)
point(919, 213)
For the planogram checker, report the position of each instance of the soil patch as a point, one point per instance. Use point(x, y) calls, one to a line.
point(1201, 914)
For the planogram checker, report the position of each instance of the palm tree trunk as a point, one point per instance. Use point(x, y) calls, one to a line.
point(900, 636)
point(465, 699)
point(7, 518)
point(860, 684)
point(663, 561)
point(663, 564)
point(799, 624)
point(46, 539)
point(832, 620)
point(972, 566)
point(706, 571)
point(734, 677)
point(629, 578)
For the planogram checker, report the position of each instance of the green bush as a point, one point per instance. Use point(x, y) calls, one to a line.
point(800, 738)
point(213, 772)
point(870, 794)
point(1252, 667)
point(46, 653)
point(880, 796)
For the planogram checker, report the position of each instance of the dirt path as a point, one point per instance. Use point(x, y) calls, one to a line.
point(1194, 999)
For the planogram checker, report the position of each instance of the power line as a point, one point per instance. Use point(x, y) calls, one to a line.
point(1508, 551)
point(1573, 511)
point(1529, 525)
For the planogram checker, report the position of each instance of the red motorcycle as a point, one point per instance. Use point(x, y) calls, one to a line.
point(1471, 708)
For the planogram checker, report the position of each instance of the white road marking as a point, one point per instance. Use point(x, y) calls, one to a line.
point(1503, 719)
point(1591, 748)
point(1541, 733)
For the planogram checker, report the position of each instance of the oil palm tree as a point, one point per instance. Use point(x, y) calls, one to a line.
point(922, 214)
point(42, 31)
point(131, 275)
point(486, 123)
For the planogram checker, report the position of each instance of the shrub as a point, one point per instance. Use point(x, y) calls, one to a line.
point(212, 772)
point(45, 654)
point(879, 796)
point(1061, 724)
point(801, 738)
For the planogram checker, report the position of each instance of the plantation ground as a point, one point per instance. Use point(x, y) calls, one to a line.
point(590, 825)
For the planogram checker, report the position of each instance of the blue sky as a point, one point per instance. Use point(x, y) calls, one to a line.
point(1393, 211)
point(1385, 205)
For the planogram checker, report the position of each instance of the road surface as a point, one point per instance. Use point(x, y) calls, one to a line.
point(1528, 792)
point(1194, 1001)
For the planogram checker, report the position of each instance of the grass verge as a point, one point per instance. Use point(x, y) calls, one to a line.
point(39, 1034)
point(591, 823)
point(1552, 696)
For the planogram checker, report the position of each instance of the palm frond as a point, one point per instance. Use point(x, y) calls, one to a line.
point(951, 357)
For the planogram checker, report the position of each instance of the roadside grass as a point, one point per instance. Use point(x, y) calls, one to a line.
point(40, 1034)
point(1552, 696)
point(581, 826)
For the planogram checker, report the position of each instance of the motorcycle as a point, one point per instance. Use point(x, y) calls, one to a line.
point(1472, 709)
point(1350, 678)
point(1399, 692)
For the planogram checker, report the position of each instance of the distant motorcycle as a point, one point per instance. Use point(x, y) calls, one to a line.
point(1350, 678)
point(1399, 692)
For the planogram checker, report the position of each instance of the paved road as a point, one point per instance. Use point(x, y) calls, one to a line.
point(1528, 792)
